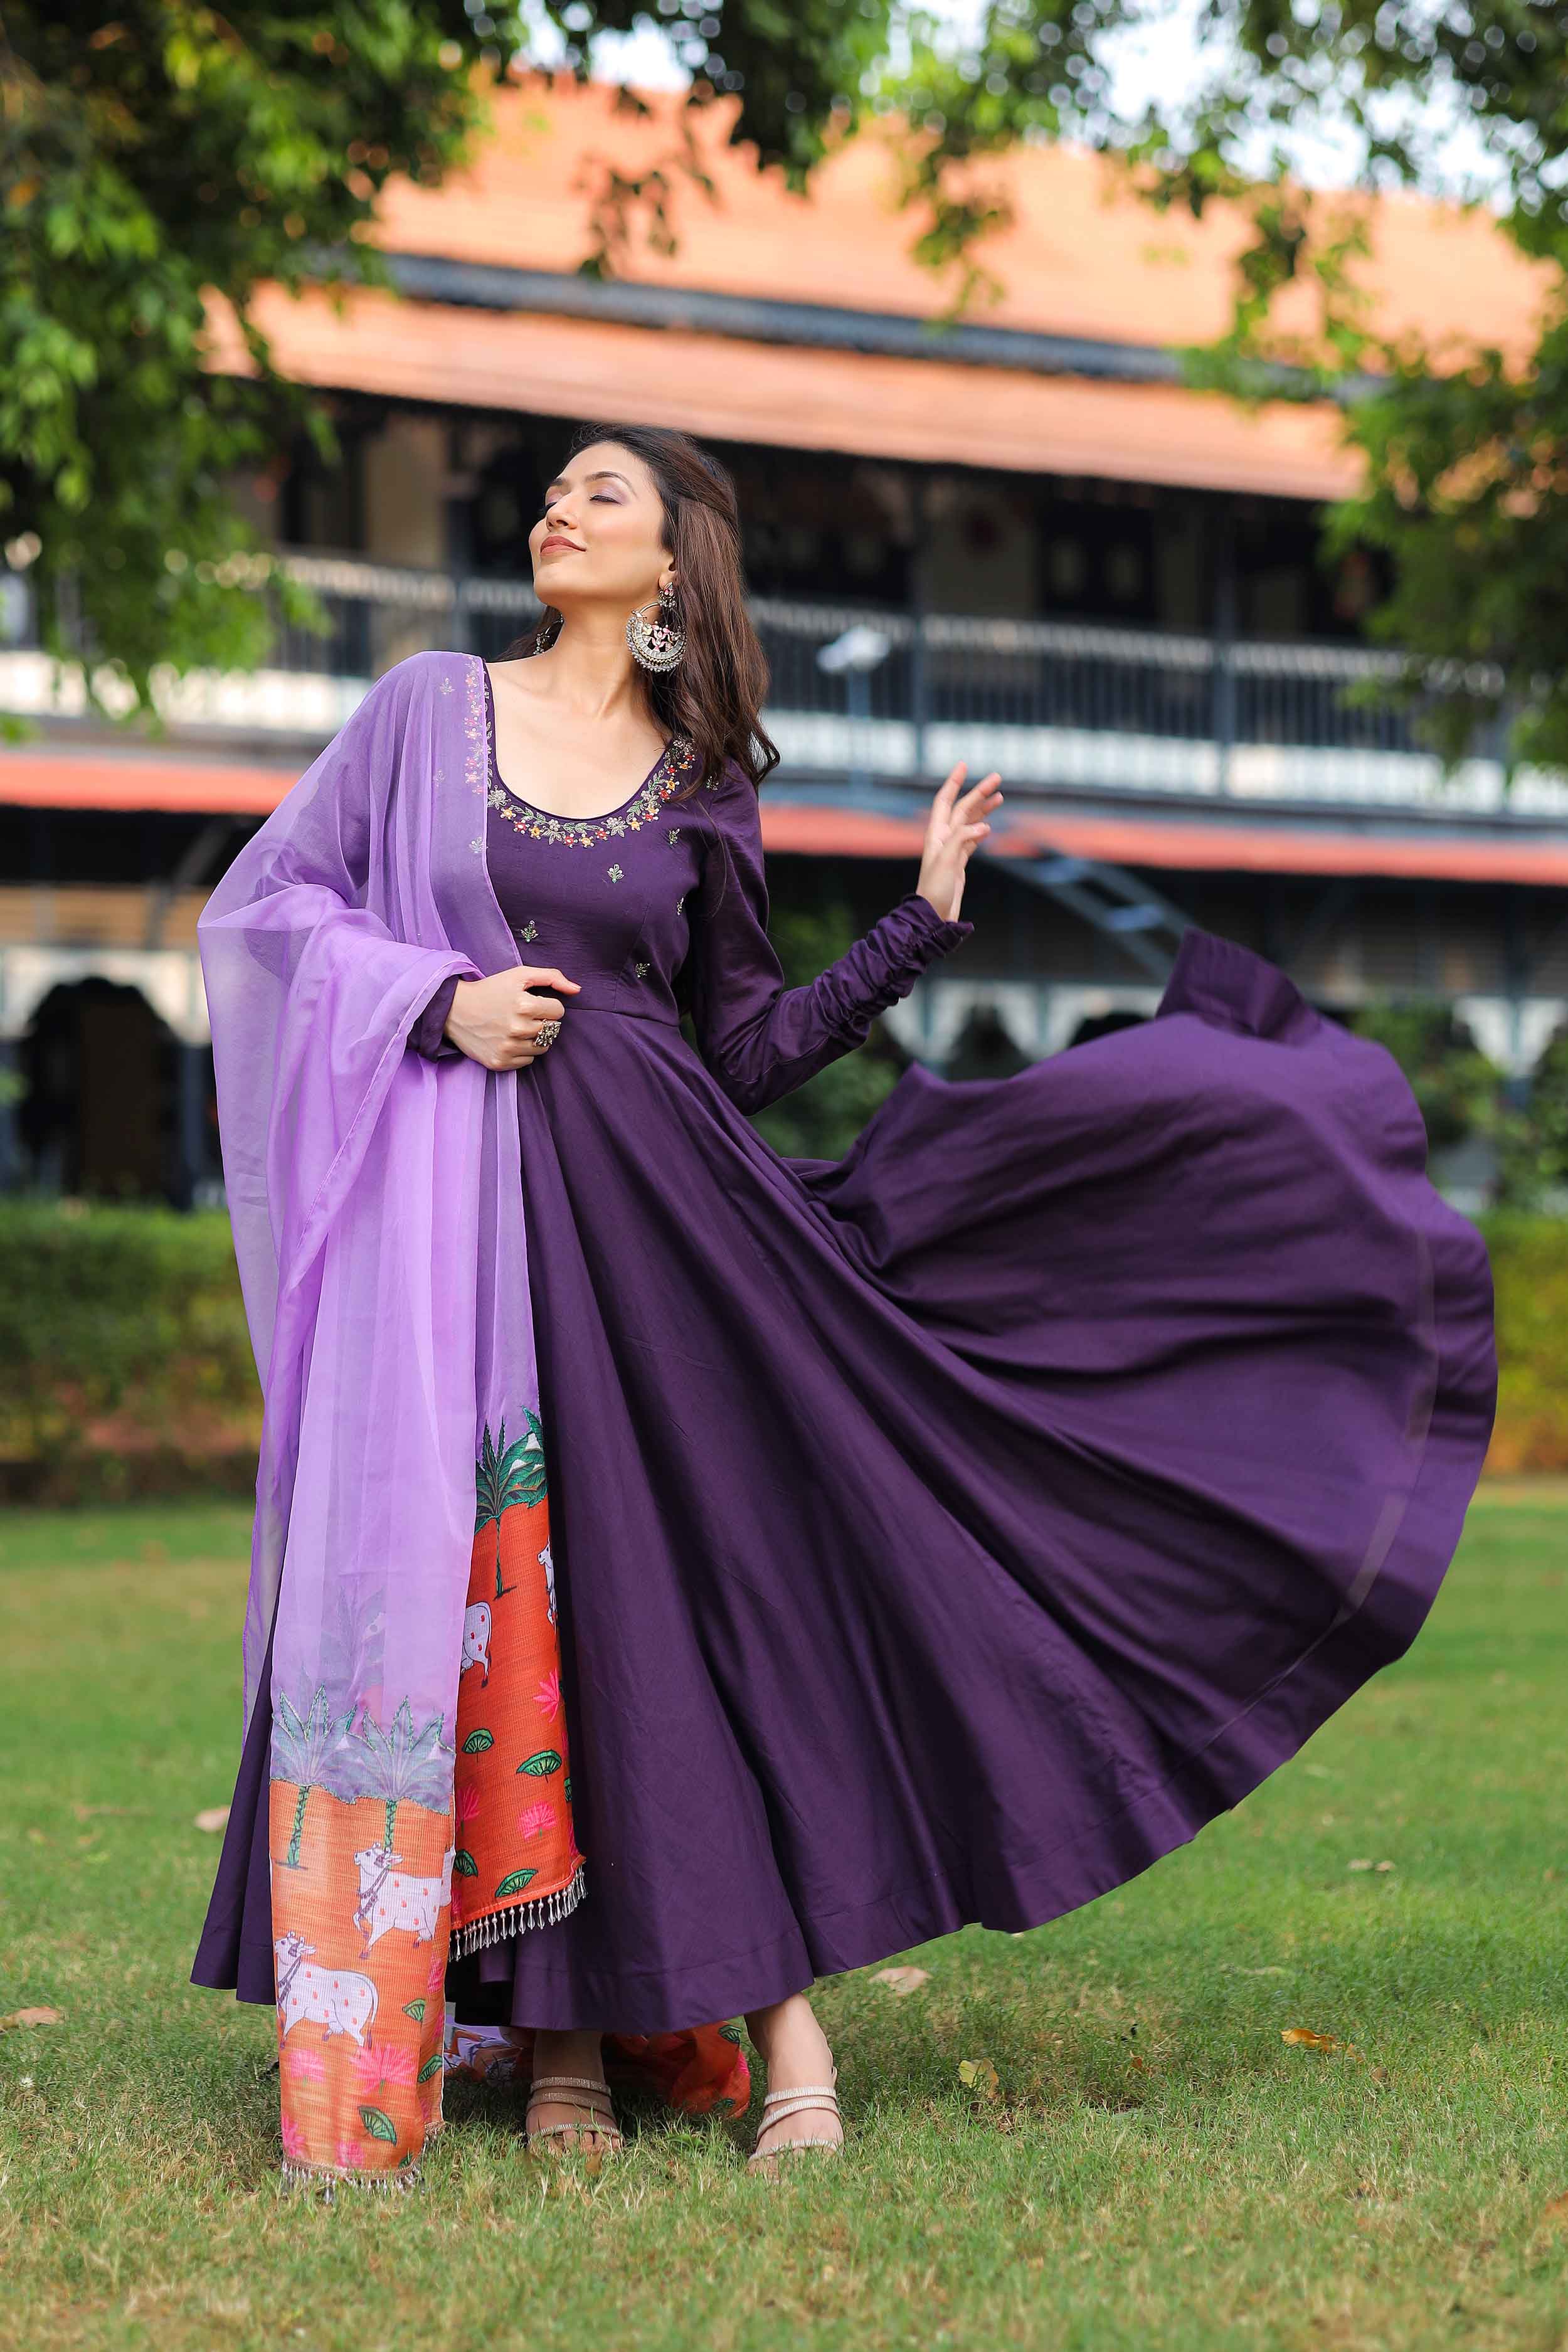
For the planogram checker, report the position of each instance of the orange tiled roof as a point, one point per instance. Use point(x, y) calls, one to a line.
point(937, 411)
point(1081, 259)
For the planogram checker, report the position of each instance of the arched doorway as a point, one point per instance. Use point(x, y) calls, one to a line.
point(113, 1105)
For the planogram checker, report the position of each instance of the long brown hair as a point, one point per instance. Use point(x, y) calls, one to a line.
point(714, 693)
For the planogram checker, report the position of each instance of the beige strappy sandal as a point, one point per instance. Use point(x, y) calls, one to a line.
point(790, 2103)
point(593, 2117)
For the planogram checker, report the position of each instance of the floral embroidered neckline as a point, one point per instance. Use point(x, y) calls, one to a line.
point(670, 771)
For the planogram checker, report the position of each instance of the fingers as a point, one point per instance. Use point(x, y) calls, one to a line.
point(520, 1054)
point(535, 1006)
point(961, 838)
point(533, 1011)
point(947, 806)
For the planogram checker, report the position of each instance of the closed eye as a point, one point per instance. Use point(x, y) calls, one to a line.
point(605, 495)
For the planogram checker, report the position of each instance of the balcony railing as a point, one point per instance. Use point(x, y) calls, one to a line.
point(1050, 704)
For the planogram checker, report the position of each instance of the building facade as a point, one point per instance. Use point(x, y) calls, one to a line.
point(1043, 552)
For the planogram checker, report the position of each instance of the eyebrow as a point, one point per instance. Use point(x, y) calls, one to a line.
point(605, 474)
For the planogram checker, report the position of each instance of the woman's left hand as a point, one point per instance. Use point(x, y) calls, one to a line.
point(953, 829)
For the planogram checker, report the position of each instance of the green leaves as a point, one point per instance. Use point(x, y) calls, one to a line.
point(507, 1475)
point(397, 1762)
point(152, 169)
point(464, 1864)
point(313, 1748)
point(157, 171)
point(515, 1881)
point(541, 1764)
point(477, 1741)
point(1455, 1086)
point(379, 2125)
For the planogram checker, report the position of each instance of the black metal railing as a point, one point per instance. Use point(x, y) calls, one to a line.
point(923, 675)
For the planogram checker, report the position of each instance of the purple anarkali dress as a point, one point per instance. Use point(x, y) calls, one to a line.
point(946, 1533)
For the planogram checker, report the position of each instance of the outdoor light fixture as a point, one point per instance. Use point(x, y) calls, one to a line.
point(859, 648)
point(853, 657)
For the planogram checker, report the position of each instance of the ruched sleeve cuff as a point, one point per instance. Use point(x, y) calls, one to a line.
point(930, 934)
point(883, 965)
point(425, 1036)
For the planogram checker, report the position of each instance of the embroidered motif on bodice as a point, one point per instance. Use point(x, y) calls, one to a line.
point(670, 771)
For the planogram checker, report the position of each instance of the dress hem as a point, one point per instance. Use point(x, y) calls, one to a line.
point(1105, 1854)
point(1108, 1852)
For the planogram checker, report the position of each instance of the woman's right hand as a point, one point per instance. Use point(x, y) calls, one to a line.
point(496, 1021)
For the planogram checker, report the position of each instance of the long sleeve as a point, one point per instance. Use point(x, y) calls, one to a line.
point(425, 1036)
point(760, 1039)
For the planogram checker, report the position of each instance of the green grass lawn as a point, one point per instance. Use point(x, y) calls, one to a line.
point(1157, 2167)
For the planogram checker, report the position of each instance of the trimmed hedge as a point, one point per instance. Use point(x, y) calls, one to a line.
point(1529, 1276)
point(125, 1364)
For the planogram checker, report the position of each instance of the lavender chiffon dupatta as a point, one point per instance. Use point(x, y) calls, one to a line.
point(376, 1204)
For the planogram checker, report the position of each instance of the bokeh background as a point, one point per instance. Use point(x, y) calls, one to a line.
point(1157, 403)
point(1162, 401)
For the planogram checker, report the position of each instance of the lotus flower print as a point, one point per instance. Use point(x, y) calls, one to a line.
point(383, 2062)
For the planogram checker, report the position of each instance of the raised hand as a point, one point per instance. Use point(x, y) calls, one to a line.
point(957, 823)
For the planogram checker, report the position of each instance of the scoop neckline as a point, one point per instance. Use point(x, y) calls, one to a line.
point(555, 815)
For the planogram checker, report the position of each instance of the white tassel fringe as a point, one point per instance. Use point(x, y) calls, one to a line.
point(326, 2179)
point(542, 1912)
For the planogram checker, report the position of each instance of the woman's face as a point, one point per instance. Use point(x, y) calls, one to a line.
point(599, 538)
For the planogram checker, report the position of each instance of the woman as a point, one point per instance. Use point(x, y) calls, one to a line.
point(941, 1535)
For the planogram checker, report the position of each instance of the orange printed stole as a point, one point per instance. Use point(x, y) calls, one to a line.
point(699, 2070)
point(387, 1851)
point(516, 1862)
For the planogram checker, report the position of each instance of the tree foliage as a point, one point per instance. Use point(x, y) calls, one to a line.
point(144, 158)
point(1466, 445)
point(148, 157)
point(1456, 1087)
point(1462, 1094)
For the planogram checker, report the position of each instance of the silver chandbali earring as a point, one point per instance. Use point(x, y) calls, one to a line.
point(659, 643)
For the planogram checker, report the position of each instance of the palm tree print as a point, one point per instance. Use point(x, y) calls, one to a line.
point(302, 1746)
point(398, 1764)
point(505, 1474)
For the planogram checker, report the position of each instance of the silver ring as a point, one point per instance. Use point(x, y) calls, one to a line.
point(547, 1032)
